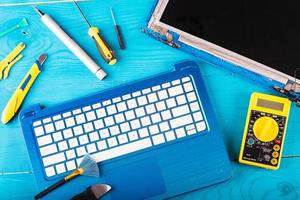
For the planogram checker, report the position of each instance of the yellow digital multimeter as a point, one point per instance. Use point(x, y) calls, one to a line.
point(264, 131)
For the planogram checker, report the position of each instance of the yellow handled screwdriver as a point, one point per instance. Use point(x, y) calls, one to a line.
point(104, 49)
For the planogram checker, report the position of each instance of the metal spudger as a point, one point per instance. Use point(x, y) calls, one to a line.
point(118, 31)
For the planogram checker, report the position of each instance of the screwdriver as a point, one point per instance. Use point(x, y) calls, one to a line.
point(104, 49)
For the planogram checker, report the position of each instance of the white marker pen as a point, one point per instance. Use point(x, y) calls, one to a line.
point(72, 45)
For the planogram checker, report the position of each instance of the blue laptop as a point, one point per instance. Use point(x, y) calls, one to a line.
point(152, 139)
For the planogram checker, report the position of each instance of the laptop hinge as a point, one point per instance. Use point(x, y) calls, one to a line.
point(291, 90)
point(168, 37)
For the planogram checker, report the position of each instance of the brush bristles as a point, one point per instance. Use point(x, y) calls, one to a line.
point(90, 167)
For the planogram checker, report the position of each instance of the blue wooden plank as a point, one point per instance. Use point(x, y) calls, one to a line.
point(65, 78)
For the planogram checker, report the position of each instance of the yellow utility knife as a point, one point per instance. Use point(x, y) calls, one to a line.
point(16, 100)
point(104, 49)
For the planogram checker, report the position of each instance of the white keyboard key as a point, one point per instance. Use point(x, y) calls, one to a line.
point(190, 127)
point(56, 117)
point(194, 106)
point(122, 138)
point(155, 88)
point(136, 94)
point(145, 121)
point(185, 79)
point(112, 142)
point(146, 91)
point(83, 139)
point(67, 114)
point(166, 85)
point(181, 121)
point(111, 110)
point(180, 132)
point(150, 109)
point(73, 142)
point(70, 154)
point(124, 127)
point(191, 96)
point(62, 145)
point(131, 103)
point(37, 123)
point(102, 145)
point(176, 82)
point(47, 120)
point(166, 115)
point(133, 135)
point(188, 87)
point(191, 132)
point(68, 133)
point(174, 91)
point(162, 94)
point(86, 108)
point(181, 110)
point(106, 103)
point(127, 96)
point(197, 116)
point(153, 129)
point(170, 136)
point(181, 100)
point(88, 127)
point(122, 150)
point(98, 124)
point(47, 150)
point(44, 140)
point(142, 100)
point(116, 100)
point(71, 165)
point(94, 136)
point(101, 113)
point(91, 148)
point(50, 171)
point(143, 132)
point(158, 139)
point(129, 115)
point(81, 151)
point(56, 158)
point(96, 105)
point(39, 131)
point(57, 136)
point(156, 118)
point(78, 130)
point(109, 121)
point(114, 130)
point(171, 103)
point(59, 125)
point(201, 126)
point(140, 112)
point(121, 106)
point(160, 106)
point(135, 124)
point(60, 168)
point(80, 119)
point(70, 122)
point(164, 126)
point(90, 116)
point(152, 97)
point(104, 133)
point(49, 128)
point(119, 118)
point(76, 112)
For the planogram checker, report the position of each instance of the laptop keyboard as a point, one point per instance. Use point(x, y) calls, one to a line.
point(115, 127)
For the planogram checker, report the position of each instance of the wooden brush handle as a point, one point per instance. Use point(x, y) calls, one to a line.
point(50, 189)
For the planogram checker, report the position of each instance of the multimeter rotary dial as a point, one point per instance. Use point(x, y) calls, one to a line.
point(265, 129)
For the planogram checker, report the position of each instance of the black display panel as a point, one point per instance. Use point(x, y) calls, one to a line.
point(267, 31)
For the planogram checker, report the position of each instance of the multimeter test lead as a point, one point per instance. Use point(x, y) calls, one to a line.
point(118, 30)
point(72, 45)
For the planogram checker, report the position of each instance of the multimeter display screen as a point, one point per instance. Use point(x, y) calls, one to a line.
point(270, 104)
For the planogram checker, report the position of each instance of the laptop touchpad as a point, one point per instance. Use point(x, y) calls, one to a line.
point(138, 180)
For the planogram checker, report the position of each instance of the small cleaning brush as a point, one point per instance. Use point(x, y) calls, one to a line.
point(21, 24)
point(87, 167)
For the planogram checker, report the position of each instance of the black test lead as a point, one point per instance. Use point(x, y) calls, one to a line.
point(118, 31)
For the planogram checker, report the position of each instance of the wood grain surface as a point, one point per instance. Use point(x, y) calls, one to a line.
point(65, 78)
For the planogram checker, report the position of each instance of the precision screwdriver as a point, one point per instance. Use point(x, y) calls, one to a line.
point(104, 49)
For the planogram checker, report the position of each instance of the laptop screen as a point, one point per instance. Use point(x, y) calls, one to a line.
point(265, 31)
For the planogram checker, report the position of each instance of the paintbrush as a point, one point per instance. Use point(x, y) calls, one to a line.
point(87, 167)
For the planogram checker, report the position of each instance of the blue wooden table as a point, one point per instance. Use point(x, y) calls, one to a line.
point(65, 78)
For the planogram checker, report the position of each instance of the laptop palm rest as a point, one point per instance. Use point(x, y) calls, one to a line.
point(138, 180)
